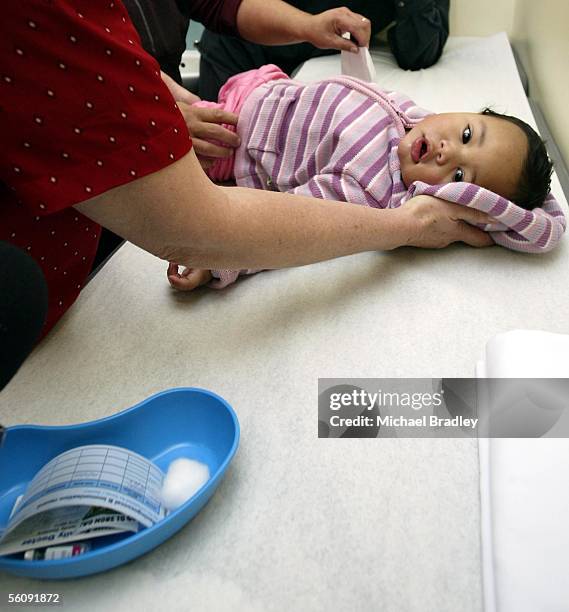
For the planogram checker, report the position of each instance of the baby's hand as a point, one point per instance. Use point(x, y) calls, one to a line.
point(189, 279)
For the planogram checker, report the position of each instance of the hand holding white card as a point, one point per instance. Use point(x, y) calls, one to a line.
point(358, 65)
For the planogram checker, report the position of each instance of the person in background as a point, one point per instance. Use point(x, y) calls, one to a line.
point(417, 34)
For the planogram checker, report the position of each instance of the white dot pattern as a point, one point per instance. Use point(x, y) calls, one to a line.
point(77, 142)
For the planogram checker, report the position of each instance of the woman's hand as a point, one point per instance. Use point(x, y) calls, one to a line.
point(325, 30)
point(189, 279)
point(435, 223)
point(204, 125)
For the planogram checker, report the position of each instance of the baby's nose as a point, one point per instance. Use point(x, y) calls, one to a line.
point(444, 152)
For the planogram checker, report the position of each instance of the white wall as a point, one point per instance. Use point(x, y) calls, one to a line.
point(538, 29)
point(481, 17)
point(540, 36)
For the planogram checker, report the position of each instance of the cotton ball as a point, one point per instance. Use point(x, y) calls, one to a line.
point(183, 479)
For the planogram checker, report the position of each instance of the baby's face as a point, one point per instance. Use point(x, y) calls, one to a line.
point(480, 149)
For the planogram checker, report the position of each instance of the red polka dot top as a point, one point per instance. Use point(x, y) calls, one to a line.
point(82, 110)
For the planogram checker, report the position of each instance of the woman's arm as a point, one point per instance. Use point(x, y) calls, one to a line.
point(272, 22)
point(179, 215)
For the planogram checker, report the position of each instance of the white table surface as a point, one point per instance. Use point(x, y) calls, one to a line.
point(301, 523)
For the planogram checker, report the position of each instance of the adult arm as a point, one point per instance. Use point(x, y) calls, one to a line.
point(179, 215)
point(323, 186)
point(273, 22)
point(420, 32)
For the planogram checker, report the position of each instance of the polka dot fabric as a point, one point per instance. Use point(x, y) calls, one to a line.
point(82, 110)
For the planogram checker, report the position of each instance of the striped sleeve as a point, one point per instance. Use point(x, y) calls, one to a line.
point(530, 231)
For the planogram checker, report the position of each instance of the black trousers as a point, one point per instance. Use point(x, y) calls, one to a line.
point(23, 307)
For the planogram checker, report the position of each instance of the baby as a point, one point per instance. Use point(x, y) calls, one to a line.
point(347, 140)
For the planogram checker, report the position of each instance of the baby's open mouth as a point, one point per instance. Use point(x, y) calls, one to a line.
point(419, 149)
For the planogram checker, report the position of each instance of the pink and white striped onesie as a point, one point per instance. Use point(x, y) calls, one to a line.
point(337, 139)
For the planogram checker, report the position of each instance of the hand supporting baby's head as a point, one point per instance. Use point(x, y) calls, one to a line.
point(498, 152)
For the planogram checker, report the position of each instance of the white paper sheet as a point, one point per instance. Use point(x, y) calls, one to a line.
point(525, 490)
point(359, 65)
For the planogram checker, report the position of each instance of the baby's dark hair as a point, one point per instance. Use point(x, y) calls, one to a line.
point(535, 179)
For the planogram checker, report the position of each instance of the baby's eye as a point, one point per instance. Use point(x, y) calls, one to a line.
point(466, 134)
point(459, 175)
